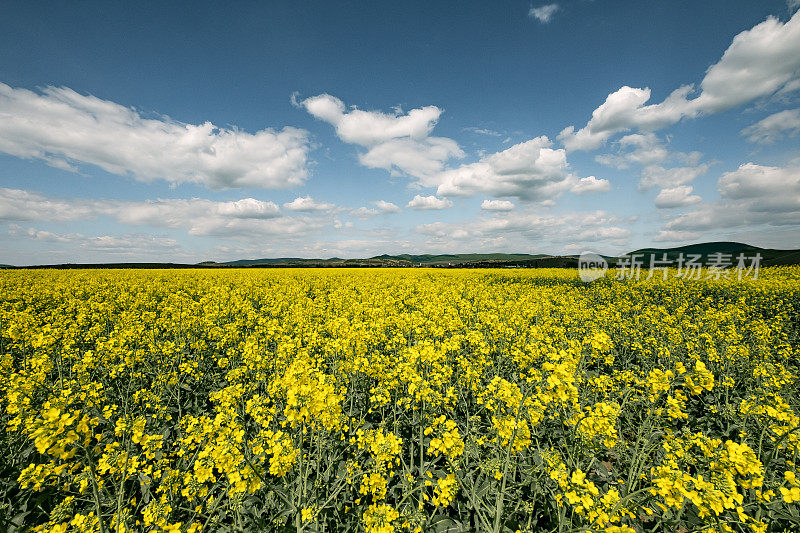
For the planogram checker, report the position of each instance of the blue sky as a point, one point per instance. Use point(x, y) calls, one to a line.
point(190, 132)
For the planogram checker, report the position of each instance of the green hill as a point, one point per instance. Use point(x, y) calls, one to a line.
point(390, 260)
point(248, 262)
point(457, 258)
point(769, 256)
point(703, 250)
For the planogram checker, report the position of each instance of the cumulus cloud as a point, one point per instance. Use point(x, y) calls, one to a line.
point(647, 150)
point(307, 204)
point(483, 131)
point(425, 203)
point(411, 157)
point(248, 218)
point(519, 230)
point(589, 185)
point(338, 224)
point(636, 148)
point(245, 208)
point(205, 217)
point(382, 207)
point(623, 110)
point(200, 216)
point(774, 127)
point(543, 13)
point(497, 205)
point(65, 128)
point(765, 188)
point(751, 195)
point(18, 232)
point(531, 170)
point(676, 236)
point(667, 178)
point(372, 127)
point(128, 244)
point(400, 143)
point(364, 213)
point(386, 207)
point(676, 197)
point(16, 204)
point(759, 62)
point(243, 218)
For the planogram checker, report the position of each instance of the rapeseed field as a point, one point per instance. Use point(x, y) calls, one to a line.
point(407, 400)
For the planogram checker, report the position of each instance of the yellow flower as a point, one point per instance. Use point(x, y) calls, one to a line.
point(308, 513)
point(379, 518)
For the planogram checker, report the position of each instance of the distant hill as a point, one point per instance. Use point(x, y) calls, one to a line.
point(769, 256)
point(458, 258)
point(704, 250)
point(408, 260)
point(248, 262)
point(64, 266)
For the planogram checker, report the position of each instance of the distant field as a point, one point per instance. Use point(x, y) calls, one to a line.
point(388, 400)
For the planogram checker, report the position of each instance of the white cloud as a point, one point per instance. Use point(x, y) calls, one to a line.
point(381, 207)
point(243, 218)
point(676, 197)
point(400, 143)
point(766, 188)
point(497, 205)
point(667, 178)
point(307, 204)
point(412, 157)
point(543, 13)
point(638, 148)
point(368, 128)
point(339, 225)
point(625, 109)
point(192, 216)
point(364, 213)
point(16, 204)
point(245, 208)
point(205, 217)
point(774, 127)
point(759, 62)
point(127, 244)
point(64, 128)
point(18, 232)
point(648, 150)
point(483, 131)
point(603, 234)
point(519, 230)
point(421, 203)
point(676, 236)
point(199, 215)
point(386, 207)
point(589, 185)
point(530, 170)
point(751, 195)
